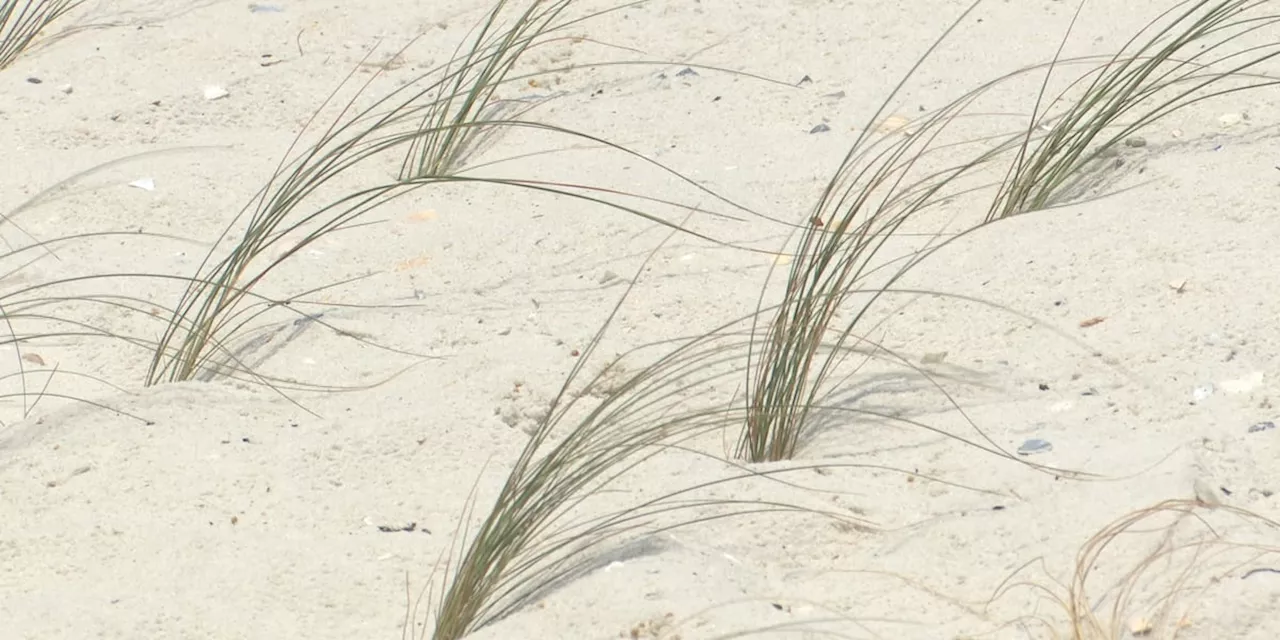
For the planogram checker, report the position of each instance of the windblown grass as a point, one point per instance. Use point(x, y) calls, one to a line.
point(874, 193)
point(21, 21)
point(1182, 57)
point(1148, 573)
point(547, 523)
point(421, 123)
point(466, 98)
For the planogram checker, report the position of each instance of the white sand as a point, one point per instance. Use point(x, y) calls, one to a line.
point(233, 513)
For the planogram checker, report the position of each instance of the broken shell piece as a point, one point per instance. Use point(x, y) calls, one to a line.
point(1139, 626)
point(146, 184)
point(895, 124)
point(215, 92)
point(1205, 494)
point(1231, 119)
point(1034, 446)
point(1178, 285)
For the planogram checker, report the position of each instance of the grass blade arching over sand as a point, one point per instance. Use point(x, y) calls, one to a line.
point(530, 540)
point(466, 99)
point(283, 218)
point(1171, 64)
point(1147, 573)
point(869, 198)
point(21, 21)
point(872, 196)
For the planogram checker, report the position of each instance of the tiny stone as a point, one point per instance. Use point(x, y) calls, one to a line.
point(1136, 142)
point(1230, 119)
point(687, 71)
point(822, 128)
point(67, 89)
point(35, 80)
point(1262, 426)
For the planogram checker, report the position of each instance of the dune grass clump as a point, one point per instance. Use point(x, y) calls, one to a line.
point(21, 21)
point(466, 98)
point(881, 185)
point(433, 126)
point(1195, 51)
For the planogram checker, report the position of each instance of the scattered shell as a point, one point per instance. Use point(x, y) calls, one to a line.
point(894, 124)
point(215, 92)
point(934, 358)
point(34, 358)
point(67, 89)
point(146, 184)
point(1089, 322)
point(1205, 493)
point(1034, 446)
point(1202, 392)
point(1178, 285)
point(821, 128)
point(1139, 626)
point(413, 263)
point(1231, 119)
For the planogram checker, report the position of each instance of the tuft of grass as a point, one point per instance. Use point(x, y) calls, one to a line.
point(1182, 57)
point(467, 97)
point(535, 535)
point(875, 191)
point(420, 120)
point(882, 184)
point(1145, 573)
point(21, 21)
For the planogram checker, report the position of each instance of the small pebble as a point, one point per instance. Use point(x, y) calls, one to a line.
point(1262, 426)
point(1034, 446)
point(822, 128)
point(1135, 142)
point(687, 71)
point(35, 80)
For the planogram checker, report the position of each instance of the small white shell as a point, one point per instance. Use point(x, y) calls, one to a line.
point(215, 92)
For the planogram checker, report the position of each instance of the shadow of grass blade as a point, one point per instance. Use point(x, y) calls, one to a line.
point(21, 21)
point(1178, 64)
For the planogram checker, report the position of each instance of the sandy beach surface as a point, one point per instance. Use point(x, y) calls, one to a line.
point(1135, 334)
